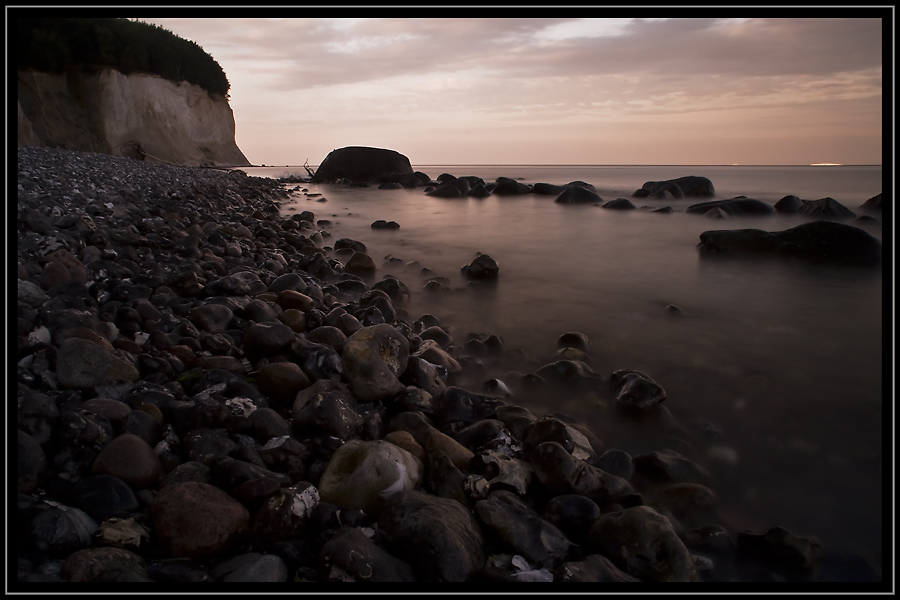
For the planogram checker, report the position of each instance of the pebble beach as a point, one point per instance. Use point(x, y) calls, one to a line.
point(211, 391)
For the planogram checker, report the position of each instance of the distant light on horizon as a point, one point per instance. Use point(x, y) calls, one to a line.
point(826, 165)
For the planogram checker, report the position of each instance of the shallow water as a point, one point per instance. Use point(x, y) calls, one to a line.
point(784, 359)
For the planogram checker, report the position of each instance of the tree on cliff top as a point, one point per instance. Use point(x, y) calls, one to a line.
point(55, 45)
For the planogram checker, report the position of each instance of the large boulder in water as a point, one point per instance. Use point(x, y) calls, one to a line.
point(689, 186)
point(360, 163)
point(734, 207)
point(826, 208)
point(819, 242)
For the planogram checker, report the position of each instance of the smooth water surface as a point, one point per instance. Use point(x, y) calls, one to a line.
point(783, 358)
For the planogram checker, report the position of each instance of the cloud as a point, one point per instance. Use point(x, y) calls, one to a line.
point(489, 75)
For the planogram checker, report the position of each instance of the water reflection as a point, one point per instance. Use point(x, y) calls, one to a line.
point(782, 359)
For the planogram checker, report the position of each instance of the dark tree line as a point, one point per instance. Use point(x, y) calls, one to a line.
point(55, 45)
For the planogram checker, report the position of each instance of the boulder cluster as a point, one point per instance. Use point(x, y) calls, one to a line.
point(207, 392)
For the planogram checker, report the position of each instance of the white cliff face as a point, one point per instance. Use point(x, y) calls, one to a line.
point(110, 112)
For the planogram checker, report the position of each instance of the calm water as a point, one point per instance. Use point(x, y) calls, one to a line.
point(784, 359)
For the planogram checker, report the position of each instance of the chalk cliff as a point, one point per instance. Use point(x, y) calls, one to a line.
point(111, 113)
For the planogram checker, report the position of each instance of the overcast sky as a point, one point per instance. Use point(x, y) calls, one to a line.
point(553, 91)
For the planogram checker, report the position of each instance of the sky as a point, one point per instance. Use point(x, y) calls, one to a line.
point(454, 91)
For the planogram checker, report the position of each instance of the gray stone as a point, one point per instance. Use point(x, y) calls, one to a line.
point(561, 473)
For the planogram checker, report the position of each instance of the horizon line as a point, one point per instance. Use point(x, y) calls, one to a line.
point(608, 165)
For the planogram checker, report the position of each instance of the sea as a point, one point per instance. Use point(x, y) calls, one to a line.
point(778, 367)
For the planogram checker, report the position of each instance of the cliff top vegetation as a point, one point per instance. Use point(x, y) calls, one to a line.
point(57, 45)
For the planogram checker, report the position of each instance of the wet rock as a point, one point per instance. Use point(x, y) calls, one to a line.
point(415, 423)
point(330, 336)
point(318, 361)
point(686, 499)
point(458, 404)
point(572, 373)
point(350, 555)
point(733, 207)
point(820, 242)
point(61, 530)
point(481, 434)
point(593, 569)
point(190, 471)
point(437, 536)
point(286, 515)
point(572, 514)
point(105, 496)
point(382, 224)
point(431, 352)
point(483, 268)
point(97, 564)
point(266, 339)
point(873, 203)
point(30, 294)
point(268, 424)
point(574, 339)
point(504, 186)
point(709, 538)
point(781, 548)
point(825, 208)
point(360, 163)
point(642, 543)
point(131, 459)
point(552, 429)
point(522, 529)
point(252, 567)
point(405, 440)
point(412, 399)
point(363, 474)
point(502, 472)
point(143, 425)
point(635, 392)
point(205, 445)
point(212, 318)
point(82, 364)
point(578, 195)
point(516, 418)
point(281, 381)
point(561, 473)
point(458, 454)
point(31, 463)
point(619, 204)
point(789, 204)
point(329, 408)
point(669, 465)
point(196, 519)
point(373, 359)
point(616, 462)
point(689, 186)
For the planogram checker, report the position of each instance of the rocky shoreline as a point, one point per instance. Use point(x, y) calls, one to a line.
point(211, 392)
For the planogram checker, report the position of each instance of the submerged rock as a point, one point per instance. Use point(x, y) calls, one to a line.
point(821, 242)
point(643, 543)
